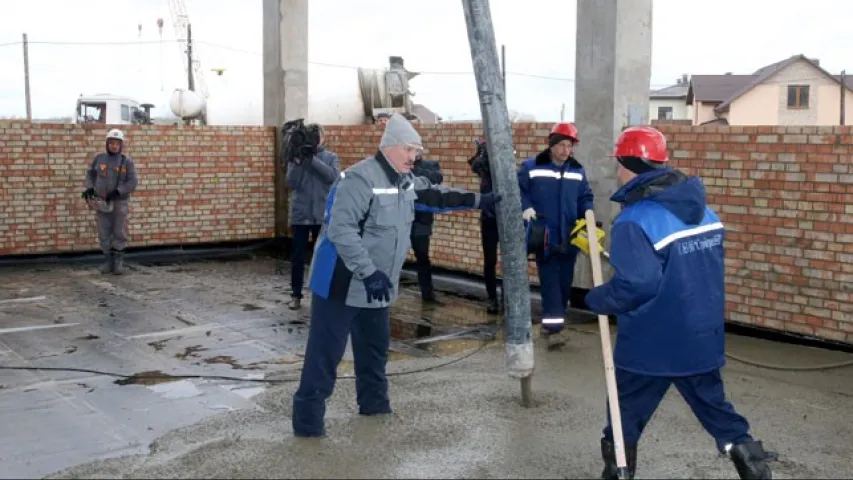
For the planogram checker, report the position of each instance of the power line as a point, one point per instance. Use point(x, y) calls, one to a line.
point(332, 65)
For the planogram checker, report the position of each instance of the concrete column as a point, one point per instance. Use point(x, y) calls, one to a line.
point(612, 80)
point(285, 35)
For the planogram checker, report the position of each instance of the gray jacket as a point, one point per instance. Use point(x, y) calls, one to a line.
point(371, 214)
point(310, 183)
point(111, 172)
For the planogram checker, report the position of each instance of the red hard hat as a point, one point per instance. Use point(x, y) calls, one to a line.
point(566, 130)
point(643, 142)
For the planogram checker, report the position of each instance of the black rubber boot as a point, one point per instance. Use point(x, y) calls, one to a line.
point(118, 262)
point(109, 263)
point(493, 307)
point(750, 460)
point(608, 454)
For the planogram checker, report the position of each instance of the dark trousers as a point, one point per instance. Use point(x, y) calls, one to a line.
point(297, 259)
point(489, 237)
point(331, 323)
point(640, 395)
point(420, 245)
point(556, 275)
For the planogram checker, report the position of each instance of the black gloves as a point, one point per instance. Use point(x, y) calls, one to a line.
point(113, 195)
point(378, 287)
point(88, 193)
point(488, 202)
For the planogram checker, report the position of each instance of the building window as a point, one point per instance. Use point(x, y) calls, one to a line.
point(798, 96)
point(664, 113)
point(125, 113)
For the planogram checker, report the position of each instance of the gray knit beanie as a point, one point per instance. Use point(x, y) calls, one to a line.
point(398, 131)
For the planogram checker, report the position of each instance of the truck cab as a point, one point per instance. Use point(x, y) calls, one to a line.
point(108, 109)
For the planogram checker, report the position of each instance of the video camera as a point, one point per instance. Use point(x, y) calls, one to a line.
point(299, 141)
point(480, 161)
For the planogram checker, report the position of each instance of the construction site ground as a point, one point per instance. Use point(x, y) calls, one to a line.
point(462, 420)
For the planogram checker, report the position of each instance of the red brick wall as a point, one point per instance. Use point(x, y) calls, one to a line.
point(196, 185)
point(784, 193)
point(786, 197)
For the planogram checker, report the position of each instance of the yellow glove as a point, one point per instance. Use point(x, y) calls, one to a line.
point(580, 237)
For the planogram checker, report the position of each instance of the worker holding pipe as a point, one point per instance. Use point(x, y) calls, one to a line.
point(555, 192)
point(668, 291)
point(356, 271)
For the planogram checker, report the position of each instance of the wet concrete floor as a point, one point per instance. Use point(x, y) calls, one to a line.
point(459, 421)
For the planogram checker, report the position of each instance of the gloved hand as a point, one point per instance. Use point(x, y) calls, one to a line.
point(488, 202)
point(580, 236)
point(88, 193)
point(113, 195)
point(528, 215)
point(378, 287)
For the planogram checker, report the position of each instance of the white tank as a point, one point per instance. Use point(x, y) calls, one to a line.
point(186, 103)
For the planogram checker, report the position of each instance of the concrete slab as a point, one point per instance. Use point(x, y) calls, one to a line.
point(458, 421)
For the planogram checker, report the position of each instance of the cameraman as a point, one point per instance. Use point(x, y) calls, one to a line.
point(422, 229)
point(310, 181)
point(488, 227)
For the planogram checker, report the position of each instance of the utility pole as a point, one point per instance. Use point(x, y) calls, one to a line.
point(484, 56)
point(843, 96)
point(27, 78)
point(190, 81)
point(503, 68)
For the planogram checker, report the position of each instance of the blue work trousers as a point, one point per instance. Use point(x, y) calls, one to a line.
point(331, 323)
point(640, 395)
point(556, 275)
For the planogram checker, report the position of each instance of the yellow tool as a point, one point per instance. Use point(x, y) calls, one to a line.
point(580, 237)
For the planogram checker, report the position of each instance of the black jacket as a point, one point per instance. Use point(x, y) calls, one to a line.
point(432, 171)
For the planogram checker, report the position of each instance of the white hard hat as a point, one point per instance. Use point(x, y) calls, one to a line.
point(115, 134)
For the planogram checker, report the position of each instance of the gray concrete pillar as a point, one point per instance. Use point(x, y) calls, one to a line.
point(285, 37)
point(612, 79)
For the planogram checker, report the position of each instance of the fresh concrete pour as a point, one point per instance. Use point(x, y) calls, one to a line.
point(459, 421)
point(464, 421)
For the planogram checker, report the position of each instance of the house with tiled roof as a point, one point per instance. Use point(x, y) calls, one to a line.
point(795, 91)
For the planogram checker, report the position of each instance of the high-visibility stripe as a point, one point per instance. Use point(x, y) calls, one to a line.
point(553, 321)
point(545, 173)
point(688, 233)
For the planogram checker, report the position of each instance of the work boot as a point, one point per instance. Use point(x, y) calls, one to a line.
point(750, 460)
point(608, 454)
point(556, 340)
point(295, 303)
point(431, 299)
point(109, 263)
point(493, 307)
point(118, 262)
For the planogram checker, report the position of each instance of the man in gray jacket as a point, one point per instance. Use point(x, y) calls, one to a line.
point(310, 182)
point(356, 271)
point(110, 180)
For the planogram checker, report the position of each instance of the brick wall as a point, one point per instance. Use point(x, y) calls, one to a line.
point(784, 193)
point(786, 197)
point(196, 185)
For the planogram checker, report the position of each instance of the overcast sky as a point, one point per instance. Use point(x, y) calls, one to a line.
point(690, 36)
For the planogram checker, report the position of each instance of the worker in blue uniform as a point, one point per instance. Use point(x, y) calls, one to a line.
point(356, 271)
point(668, 292)
point(554, 189)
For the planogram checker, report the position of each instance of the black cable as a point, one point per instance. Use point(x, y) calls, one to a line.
point(139, 378)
